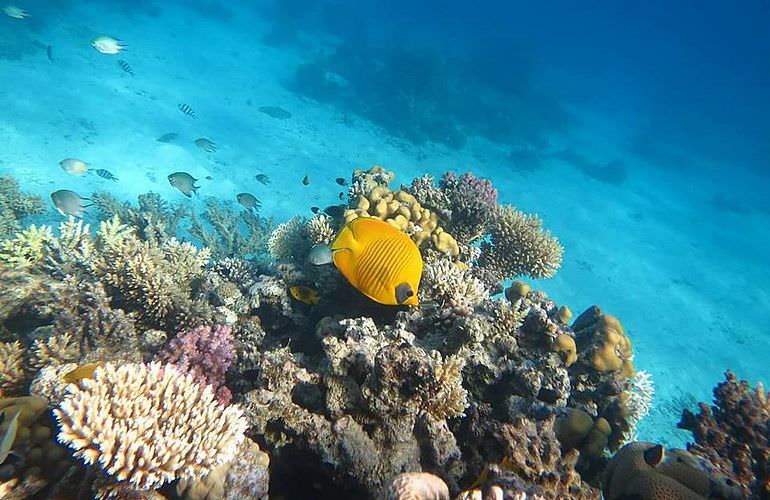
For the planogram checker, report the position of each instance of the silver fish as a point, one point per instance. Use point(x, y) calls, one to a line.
point(184, 182)
point(320, 255)
point(69, 202)
point(6, 443)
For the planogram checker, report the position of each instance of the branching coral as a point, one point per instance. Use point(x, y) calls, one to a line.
point(519, 246)
point(473, 205)
point(15, 205)
point(734, 434)
point(229, 238)
point(204, 352)
point(156, 279)
point(11, 367)
point(320, 230)
point(290, 241)
point(147, 425)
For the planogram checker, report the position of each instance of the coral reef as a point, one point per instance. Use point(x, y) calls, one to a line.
point(648, 471)
point(15, 205)
point(205, 353)
point(417, 485)
point(734, 434)
point(519, 246)
point(147, 425)
point(229, 239)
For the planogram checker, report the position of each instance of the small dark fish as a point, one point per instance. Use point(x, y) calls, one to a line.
point(341, 196)
point(105, 174)
point(125, 67)
point(184, 182)
point(341, 181)
point(275, 112)
point(167, 137)
point(263, 179)
point(208, 177)
point(315, 210)
point(186, 109)
point(49, 53)
point(248, 200)
point(206, 144)
point(335, 211)
point(306, 180)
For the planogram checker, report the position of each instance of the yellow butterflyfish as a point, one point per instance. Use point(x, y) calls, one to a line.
point(379, 260)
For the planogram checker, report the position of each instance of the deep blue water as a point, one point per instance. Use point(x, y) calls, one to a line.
point(638, 131)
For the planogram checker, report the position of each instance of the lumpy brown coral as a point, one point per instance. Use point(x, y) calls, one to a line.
point(148, 424)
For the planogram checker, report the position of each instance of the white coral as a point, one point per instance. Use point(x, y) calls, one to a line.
point(148, 424)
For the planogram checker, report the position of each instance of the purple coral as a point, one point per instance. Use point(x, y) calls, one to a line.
point(473, 203)
point(204, 352)
point(734, 434)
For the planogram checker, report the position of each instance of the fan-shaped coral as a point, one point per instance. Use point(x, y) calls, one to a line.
point(148, 424)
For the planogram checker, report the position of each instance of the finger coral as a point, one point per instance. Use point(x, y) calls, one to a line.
point(519, 246)
point(734, 434)
point(147, 425)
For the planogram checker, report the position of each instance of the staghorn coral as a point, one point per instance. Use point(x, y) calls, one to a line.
point(15, 205)
point(648, 471)
point(27, 248)
point(153, 279)
point(640, 397)
point(452, 287)
point(146, 425)
point(234, 235)
point(205, 353)
point(734, 434)
point(154, 219)
point(49, 348)
point(519, 246)
point(12, 376)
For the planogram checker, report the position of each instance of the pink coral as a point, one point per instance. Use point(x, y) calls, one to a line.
point(204, 352)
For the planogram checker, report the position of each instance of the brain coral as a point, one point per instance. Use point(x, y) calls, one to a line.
point(148, 424)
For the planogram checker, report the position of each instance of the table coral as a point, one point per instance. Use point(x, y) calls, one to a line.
point(146, 425)
point(734, 433)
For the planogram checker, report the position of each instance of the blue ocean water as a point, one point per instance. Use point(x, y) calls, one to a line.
point(638, 131)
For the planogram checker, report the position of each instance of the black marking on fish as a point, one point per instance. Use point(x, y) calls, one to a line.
point(125, 67)
point(106, 174)
point(335, 211)
point(186, 109)
point(49, 53)
point(167, 137)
